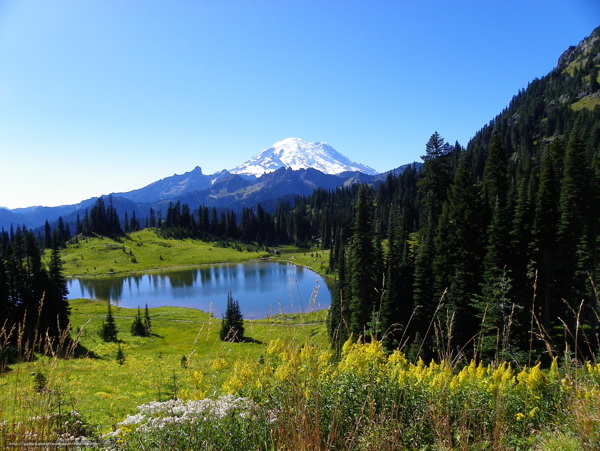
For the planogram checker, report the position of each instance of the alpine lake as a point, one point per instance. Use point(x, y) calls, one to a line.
point(262, 288)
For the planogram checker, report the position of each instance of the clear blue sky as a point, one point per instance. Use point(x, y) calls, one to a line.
point(100, 96)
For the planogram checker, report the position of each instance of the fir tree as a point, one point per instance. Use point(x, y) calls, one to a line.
point(147, 321)
point(138, 327)
point(232, 325)
point(108, 330)
point(338, 319)
point(574, 235)
point(457, 264)
point(495, 185)
point(397, 301)
point(361, 267)
point(425, 300)
point(574, 200)
point(120, 358)
point(436, 175)
point(546, 246)
point(55, 310)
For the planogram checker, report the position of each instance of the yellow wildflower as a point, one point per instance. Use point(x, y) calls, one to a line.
point(219, 364)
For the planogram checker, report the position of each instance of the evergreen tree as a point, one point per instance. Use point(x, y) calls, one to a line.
point(397, 301)
point(152, 218)
point(55, 309)
point(338, 316)
point(147, 321)
point(573, 232)
point(78, 225)
point(108, 330)
point(518, 256)
point(361, 267)
point(120, 358)
point(232, 325)
point(134, 224)
point(494, 306)
point(138, 327)
point(436, 173)
point(546, 245)
point(47, 235)
point(425, 301)
point(495, 179)
point(459, 246)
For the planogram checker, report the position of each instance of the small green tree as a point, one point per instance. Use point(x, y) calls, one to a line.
point(120, 355)
point(108, 330)
point(40, 382)
point(147, 322)
point(138, 327)
point(232, 326)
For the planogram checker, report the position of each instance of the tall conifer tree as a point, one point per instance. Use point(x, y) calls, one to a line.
point(361, 267)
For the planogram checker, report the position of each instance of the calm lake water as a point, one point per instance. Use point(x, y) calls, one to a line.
point(261, 288)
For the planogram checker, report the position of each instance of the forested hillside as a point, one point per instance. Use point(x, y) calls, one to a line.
point(498, 251)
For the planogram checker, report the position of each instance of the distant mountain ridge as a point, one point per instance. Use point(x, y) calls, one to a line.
point(289, 167)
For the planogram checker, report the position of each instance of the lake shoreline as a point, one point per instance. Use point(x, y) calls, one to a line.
point(264, 287)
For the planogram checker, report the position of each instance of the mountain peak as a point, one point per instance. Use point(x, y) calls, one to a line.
point(296, 153)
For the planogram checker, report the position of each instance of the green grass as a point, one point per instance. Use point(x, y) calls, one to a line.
point(314, 259)
point(143, 251)
point(588, 102)
point(104, 392)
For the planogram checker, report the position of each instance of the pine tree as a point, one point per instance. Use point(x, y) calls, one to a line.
point(120, 358)
point(47, 235)
point(138, 328)
point(574, 232)
point(397, 301)
point(232, 325)
point(518, 256)
point(338, 316)
point(425, 301)
point(436, 174)
point(55, 310)
point(494, 306)
point(108, 330)
point(152, 218)
point(495, 180)
point(459, 247)
point(574, 201)
point(361, 267)
point(545, 234)
point(147, 321)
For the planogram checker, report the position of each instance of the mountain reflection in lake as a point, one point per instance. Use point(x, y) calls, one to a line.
point(261, 288)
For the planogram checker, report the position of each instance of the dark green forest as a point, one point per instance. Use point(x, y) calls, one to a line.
point(489, 251)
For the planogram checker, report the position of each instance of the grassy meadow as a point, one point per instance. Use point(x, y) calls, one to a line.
point(179, 360)
point(142, 251)
point(146, 250)
point(184, 388)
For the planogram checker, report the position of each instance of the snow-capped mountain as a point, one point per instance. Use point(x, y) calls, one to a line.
point(295, 153)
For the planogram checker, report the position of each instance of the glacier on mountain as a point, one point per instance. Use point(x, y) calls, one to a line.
point(295, 153)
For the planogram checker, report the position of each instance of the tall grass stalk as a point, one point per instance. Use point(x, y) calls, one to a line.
point(37, 410)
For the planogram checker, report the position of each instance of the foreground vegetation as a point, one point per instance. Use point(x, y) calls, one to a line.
point(178, 361)
point(184, 388)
